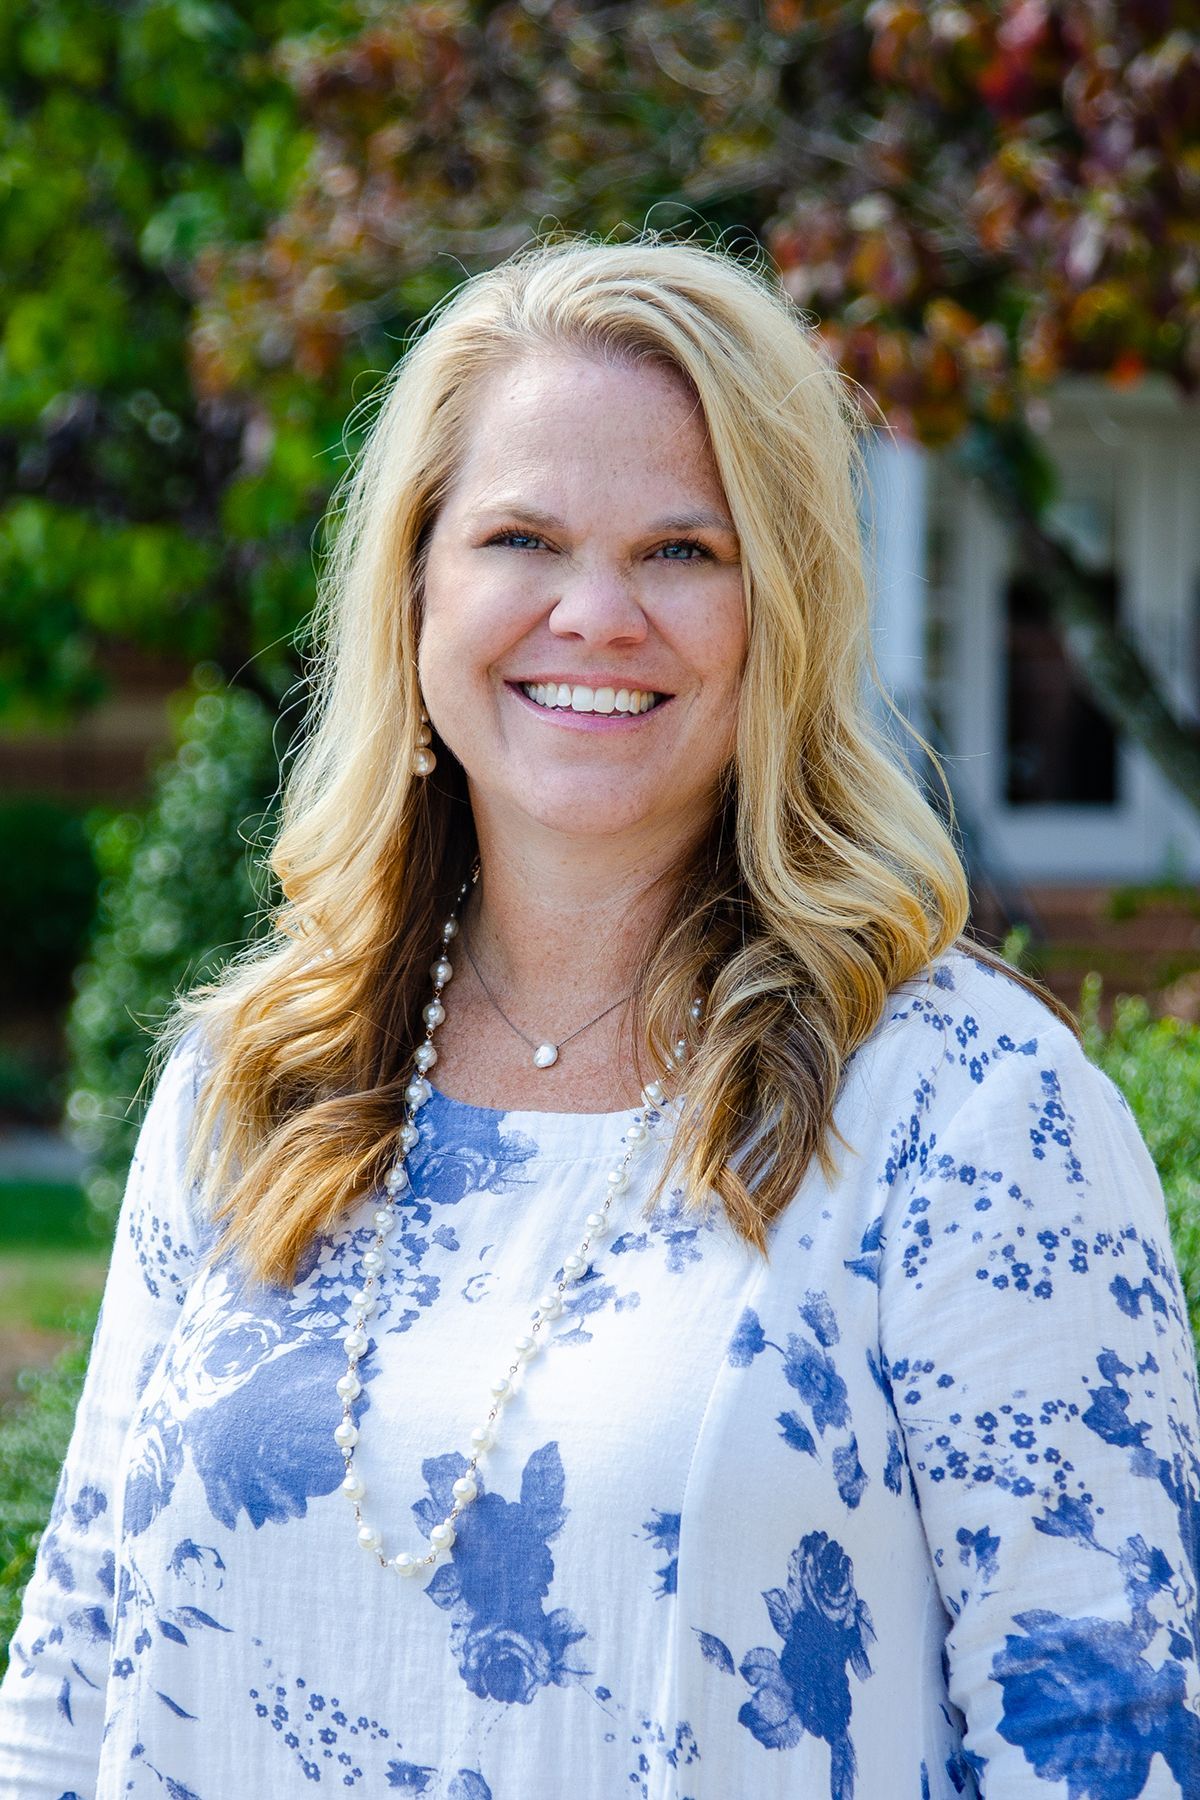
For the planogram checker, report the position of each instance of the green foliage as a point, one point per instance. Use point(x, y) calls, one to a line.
point(177, 898)
point(47, 893)
point(132, 139)
point(48, 1213)
point(1156, 1064)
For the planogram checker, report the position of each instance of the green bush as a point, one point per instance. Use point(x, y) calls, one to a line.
point(1156, 1064)
point(48, 881)
point(178, 897)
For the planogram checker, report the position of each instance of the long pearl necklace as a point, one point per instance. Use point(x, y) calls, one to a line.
point(525, 1346)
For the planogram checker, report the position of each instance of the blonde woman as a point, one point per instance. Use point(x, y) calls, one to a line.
point(617, 1295)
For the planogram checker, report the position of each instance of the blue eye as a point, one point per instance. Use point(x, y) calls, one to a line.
point(690, 544)
point(527, 538)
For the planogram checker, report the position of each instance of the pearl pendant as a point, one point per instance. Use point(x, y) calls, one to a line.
point(545, 1055)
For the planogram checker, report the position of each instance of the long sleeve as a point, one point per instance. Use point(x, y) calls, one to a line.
point(52, 1700)
point(1042, 1369)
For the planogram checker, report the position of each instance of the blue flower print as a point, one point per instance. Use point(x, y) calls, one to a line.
point(155, 1463)
point(804, 1688)
point(1086, 1707)
point(475, 1157)
point(817, 1382)
point(260, 1455)
point(505, 1644)
point(663, 1529)
point(747, 1341)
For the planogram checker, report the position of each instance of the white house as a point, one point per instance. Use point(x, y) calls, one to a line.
point(1054, 795)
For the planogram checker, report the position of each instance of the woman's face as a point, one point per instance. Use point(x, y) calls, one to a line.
point(584, 627)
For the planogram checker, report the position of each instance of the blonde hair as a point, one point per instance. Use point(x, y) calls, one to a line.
point(826, 879)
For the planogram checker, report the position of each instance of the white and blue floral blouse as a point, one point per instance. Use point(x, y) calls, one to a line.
point(909, 1509)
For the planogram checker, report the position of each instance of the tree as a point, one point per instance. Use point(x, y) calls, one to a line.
point(973, 199)
point(131, 137)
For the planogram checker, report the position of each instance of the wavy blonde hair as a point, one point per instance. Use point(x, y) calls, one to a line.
point(826, 878)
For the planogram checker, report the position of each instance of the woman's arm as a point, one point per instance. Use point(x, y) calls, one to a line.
point(1043, 1372)
point(52, 1702)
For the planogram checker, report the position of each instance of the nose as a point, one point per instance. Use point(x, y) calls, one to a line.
point(598, 605)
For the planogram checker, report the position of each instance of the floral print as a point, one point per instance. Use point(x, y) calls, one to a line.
point(505, 1644)
point(911, 1506)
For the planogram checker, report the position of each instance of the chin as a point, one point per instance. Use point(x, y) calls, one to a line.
point(598, 808)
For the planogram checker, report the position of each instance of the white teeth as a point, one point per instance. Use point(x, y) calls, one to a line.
point(558, 696)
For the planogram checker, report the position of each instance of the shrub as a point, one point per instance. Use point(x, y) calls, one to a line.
point(177, 898)
point(1156, 1064)
point(47, 892)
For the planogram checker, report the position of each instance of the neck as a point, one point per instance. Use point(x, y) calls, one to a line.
point(568, 920)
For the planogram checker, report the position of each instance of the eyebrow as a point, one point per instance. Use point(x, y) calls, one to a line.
point(703, 519)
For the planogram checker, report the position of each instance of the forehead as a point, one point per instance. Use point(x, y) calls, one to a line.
point(584, 423)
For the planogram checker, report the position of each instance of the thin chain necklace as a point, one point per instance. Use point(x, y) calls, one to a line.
point(545, 1053)
point(397, 1184)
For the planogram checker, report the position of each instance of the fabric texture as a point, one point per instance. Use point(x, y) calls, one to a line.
point(907, 1509)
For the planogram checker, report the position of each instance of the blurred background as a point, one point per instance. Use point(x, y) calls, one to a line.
point(219, 222)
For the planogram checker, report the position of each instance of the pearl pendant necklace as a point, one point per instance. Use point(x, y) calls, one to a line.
point(528, 1343)
point(545, 1054)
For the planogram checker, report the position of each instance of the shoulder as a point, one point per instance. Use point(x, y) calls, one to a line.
point(963, 1039)
point(968, 1021)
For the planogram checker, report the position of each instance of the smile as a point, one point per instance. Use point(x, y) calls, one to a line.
point(558, 696)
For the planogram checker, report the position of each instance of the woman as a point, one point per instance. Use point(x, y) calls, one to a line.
point(616, 1296)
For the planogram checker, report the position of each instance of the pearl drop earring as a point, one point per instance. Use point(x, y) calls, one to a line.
point(424, 762)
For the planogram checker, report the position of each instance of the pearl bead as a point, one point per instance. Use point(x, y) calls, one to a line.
point(434, 1014)
point(443, 1535)
point(574, 1266)
point(449, 930)
point(346, 1435)
point(442, 970)
point(396, 1179)
point(372, 1261)
point(424, 762)
point(424, 735)
point(365, 1303)
point(464, 1490)
point(370, 1537)
point(618, 1180)
point(681, 1049)
point(425, 1056)
point(653, 1094)
point(550, 1306)
point(349, 1387)
point(597, 1223)
point(417, 1093)
point(545, 1056)
point(501, 1388)
point(354, 1487)
point(409, 1135)
point(384, 1219)
point(404, 1564)
point(482, 1438)
point(696, 1009)
point(526, 1346)
point(355, 1341)
point(636, 1133)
